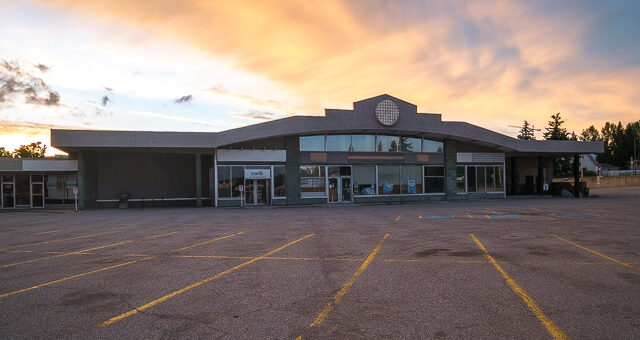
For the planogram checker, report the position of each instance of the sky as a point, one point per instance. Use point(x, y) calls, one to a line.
point(201, 65)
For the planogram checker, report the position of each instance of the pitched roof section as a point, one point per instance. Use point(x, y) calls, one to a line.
point(361, 119)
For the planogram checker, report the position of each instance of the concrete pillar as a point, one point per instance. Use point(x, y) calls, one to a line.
point(198, 180)
point(576, 174)
point(514, 176)
point(87, 179)
point(540, 175)
point(450, 162)
point(292, 186)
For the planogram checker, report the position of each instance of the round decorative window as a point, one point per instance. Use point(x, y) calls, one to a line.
point(387, 112)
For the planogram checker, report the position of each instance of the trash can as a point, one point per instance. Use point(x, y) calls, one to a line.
point(124, 200)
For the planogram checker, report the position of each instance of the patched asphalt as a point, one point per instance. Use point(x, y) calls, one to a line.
point(256, 273)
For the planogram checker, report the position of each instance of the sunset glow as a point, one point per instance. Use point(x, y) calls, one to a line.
point(214, 65)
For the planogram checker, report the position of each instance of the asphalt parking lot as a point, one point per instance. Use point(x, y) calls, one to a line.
point(514, 268)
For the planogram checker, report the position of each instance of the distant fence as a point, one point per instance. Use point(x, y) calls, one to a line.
point(612, 181)
point(619, 172)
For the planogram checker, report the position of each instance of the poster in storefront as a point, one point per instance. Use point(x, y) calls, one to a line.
point(411, 185)
point(387, 188)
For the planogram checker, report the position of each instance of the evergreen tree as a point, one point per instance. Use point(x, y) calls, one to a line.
point(590, 134)
point(554, 131)
point(33, 150)
point(526, 132)
point(562, 166)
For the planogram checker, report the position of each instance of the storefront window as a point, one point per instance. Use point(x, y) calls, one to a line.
point(364, 180)
point(387, 143)
point(363, 143)
point(312, 143)
point(312, 181)
point(411, 179)
point(460, 179)
point(434, 179)
point(279, 181)
point(490, 178)
point(480, 187)
point(388, 180)
point(224, 181)
point(237, 179)
point(431, 146)
point(407, 144)
point(338, 142)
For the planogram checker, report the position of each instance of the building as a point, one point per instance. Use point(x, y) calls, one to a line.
point(36, 182)
point(382, 150)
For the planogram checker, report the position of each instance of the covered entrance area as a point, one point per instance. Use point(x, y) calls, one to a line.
point(257, 186)
point(339, 184)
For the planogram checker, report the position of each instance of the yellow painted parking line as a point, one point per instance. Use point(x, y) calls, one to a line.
point(206, 242)
point(210, 256)
point(469, 216)
point(551, 327)
point(487, 216)
point(338, 259)
point(420, 217)
point(336, 299)
point(83, 274)
point(597, 253)
point(199, 283)
point(83, 250)
point(492, 211)
point(61, 239)
point(72, 277)
point(47, 232)
point(399, 217)
point(429, 261)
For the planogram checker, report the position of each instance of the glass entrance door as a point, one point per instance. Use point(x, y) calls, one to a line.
point(8, 194)
point(23, 191)
point(256, 191)
point(340, 189)
point(37, 191)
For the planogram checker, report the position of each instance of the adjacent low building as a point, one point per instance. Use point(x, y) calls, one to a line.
point(382, 150)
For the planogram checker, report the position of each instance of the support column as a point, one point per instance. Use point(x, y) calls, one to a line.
point(198, 179)
point(81, 171)
point(540, 175)
point(87, 179)
point(450, 163)
point(514, 176)
point(292, 176)
point(576, 175)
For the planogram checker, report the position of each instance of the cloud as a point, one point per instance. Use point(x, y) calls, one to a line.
point(184, 99)
point(257, 115)
point(18, 82)
point(485, 62)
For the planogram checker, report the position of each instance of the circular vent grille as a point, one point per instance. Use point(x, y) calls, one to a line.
point(387, 112)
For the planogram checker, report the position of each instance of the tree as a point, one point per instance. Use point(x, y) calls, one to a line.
point(526, 132)
point(562, 166)
point(554, 131)
point(590, 134)
point(33, 150)
point(5, 153)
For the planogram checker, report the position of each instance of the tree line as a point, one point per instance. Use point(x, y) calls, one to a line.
point(33, 150)
point(620, 142)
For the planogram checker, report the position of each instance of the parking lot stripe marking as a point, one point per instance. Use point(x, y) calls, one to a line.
point(336, 299)
point(554, 330)
point(487, 216)
point(206, 242)
point(82, 251)
point(536, 209)
point(82, 274)
point(492, 211)
point(199, 283)
point(73, 277)
point(61, 239)
point(47, 232)
point(399, 217)
point(469, 216)
point(211, 256)
point(597, 253)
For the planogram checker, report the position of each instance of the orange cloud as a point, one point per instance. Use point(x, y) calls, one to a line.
point(490, 63)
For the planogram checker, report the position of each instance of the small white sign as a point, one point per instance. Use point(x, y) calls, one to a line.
point(545, 187)
point(257, 173)
point(75, 190)
point(241, 187)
